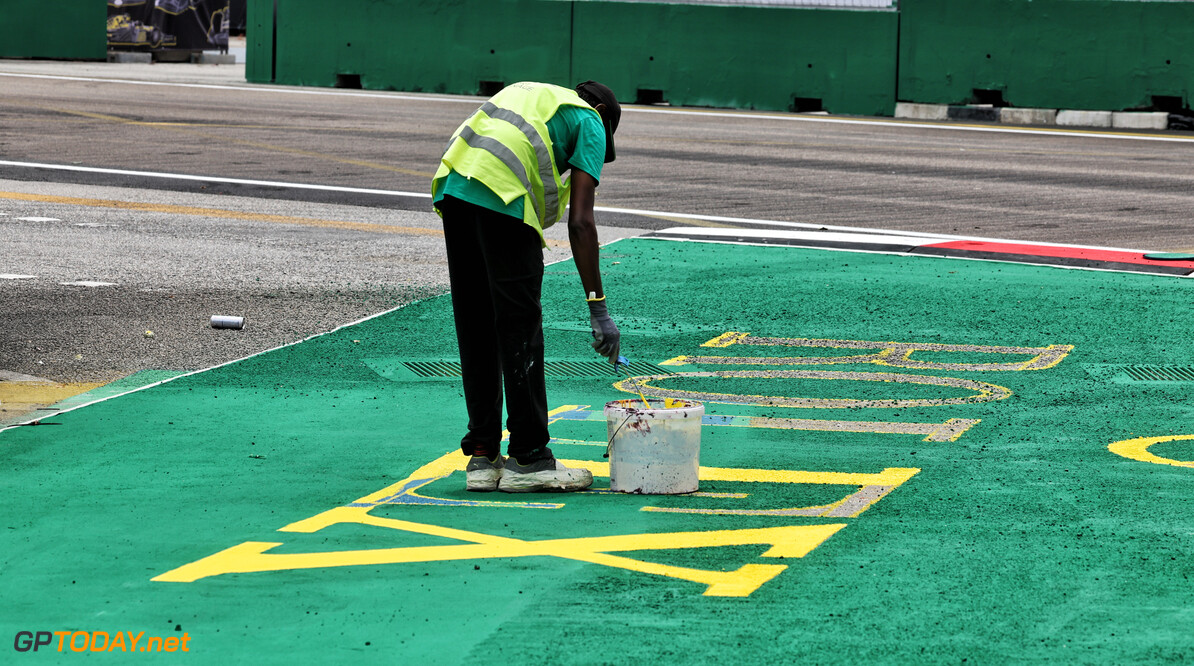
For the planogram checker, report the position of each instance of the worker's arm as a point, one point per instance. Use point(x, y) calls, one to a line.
point(582, 234)
point(582, 231)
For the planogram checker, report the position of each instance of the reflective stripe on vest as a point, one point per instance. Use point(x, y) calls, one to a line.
point(498, 142)
point(549, 214)
point(506, 156)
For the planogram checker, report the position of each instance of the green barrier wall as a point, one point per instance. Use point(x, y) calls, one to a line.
point(741, 57)
point(70, 29)
point(259, 41)
point(446, 46)
point(1077, 54)
point(1095, 54)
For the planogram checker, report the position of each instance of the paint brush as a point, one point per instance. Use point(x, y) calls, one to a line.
point(623, 361)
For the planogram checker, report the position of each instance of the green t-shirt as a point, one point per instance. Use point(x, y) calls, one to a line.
point(577, 142)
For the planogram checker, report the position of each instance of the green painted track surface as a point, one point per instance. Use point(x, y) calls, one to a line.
point(1025, 540)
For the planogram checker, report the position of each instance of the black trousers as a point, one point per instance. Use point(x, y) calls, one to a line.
point(495, 266)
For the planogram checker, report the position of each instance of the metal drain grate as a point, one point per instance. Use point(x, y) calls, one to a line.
point(1158, 373)
point(443, 369)
point(433, 368)
point(599, 369)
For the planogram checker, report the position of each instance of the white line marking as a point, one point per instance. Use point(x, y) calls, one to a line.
point(88, 283)
point(600, 209)
point(170, 379)
point(213, 179)
point(879, 122)
point(289, 344)
point(14, 276)
point(856, 230)
point(712, 239)
point(722, 241)
point(38, 219)
point(252, 88)
point(783, 234)
point(923, 125)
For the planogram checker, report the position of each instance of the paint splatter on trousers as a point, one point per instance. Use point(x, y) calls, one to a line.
point(495, 266)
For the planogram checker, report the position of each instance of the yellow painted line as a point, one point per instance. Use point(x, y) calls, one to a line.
point(221, 213)
point(179, 127)
point(27, 396)
point(725, 339)
point(1137, 449)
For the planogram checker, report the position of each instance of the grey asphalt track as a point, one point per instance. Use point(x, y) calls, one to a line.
point(300, 261)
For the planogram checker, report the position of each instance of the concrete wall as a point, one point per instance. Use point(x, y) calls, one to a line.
point(1075, 54)
point(68, 29)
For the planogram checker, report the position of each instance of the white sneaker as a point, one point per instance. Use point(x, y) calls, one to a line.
point(547, 475)
point(482, 474)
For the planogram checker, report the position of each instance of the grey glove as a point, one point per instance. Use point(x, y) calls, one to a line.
point(606, 337)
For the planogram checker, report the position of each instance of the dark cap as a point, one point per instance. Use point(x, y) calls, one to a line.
point(595, 93)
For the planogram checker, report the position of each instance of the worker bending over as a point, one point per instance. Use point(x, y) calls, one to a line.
point(500, 183)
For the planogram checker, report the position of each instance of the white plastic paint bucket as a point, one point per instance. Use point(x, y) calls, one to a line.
point(654, 451)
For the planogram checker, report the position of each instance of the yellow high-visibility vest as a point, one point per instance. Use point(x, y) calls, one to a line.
point(506, 146)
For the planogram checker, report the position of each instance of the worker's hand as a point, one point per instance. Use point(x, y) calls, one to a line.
point(606, 337)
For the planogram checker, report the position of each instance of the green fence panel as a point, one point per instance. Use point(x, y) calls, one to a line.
point(1078, 54)
point(740, 57)
point(68, 29)
point(259, 41)
point(447, 46)
point(1093, 54)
